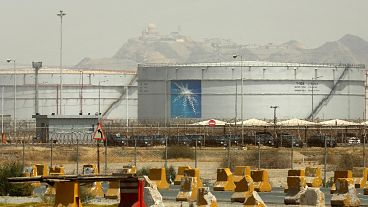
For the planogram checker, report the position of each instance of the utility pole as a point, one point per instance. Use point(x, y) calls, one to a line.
point(15, 98)
point(61, 14)
point(241, 96)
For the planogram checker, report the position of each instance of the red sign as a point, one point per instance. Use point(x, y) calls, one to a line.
point(99, 133)
point(211, 123)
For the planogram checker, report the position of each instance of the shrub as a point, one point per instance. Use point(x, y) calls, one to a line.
point(174, 152)
point(85, 193)
point(271, 159)
point(12, 169)
point(143, 171)
point(170, 174)
point(348, 161)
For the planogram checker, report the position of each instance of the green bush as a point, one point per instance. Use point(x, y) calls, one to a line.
point(175, 152)
point(170, 174)
point(12, 169)
point(143, 171)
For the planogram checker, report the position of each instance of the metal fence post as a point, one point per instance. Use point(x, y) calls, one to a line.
point(106, 156)
point(135, 151)
point(51, 150)
point(259, 152)
point(166, 152)
point(77, 156)
point(325, 165)
point(23, 155)
point(292, 152)
point(228, 152)
point(98, 157)
point(195, 152)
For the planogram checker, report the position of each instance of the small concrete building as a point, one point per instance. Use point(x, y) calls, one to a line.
point(66, 129)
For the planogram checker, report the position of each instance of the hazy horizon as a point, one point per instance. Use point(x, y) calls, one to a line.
point(97, 29)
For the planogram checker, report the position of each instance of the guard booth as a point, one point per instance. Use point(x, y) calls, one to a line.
point(65, 129)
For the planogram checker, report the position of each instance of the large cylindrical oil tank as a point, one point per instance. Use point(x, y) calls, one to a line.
point(225, 90)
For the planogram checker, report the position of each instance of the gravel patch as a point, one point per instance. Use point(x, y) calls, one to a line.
point(19, 200)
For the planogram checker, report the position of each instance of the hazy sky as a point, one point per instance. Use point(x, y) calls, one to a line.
point(98, 28)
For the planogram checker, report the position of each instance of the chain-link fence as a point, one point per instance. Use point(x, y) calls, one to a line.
point(276, 149)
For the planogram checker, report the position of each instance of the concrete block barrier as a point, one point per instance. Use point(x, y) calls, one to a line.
point(296, 187)
point(360, 176)
point(206, 198)
point(345, 193)
point(243, 190)
point(240, 172)
point(312, 197)
point(340, 174)
point(261, 180)
point(313, 177)
point(224, 181)
point(180, 174)
point(158, 175)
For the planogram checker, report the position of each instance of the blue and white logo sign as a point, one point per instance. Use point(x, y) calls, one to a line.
point(186, 99)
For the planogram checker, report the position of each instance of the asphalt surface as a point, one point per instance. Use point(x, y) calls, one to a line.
point(276, 197)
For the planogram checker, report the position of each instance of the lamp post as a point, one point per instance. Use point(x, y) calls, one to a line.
point(61, 14)
point(241, 96)
point(274, 118)
point(36, 66)
point(15, 98)
point(312, 83)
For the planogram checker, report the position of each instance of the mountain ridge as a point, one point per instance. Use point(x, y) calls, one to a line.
point(153, 47)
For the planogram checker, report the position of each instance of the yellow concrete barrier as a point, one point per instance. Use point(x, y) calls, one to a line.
point(294, 173)
point(341, 174)
point(360, 176)
point(67, 194)
point(36, 170)
point(180, 174)
point(224, 181)
point(206, 198)
point(243, 190)
point(345, 193)
point(261, 181)
point(240, 172)
point(188, 189)
point(113, 192)
point(158, 175)
point(40, 170)
point(56, 170)
point(131, 170)
point(94, 188)
point(296, 187)
point(313, 177)
point(194, 172)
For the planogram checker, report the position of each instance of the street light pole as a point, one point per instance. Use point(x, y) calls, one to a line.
point(241, 96)
point(61, 14)
point(15, 98)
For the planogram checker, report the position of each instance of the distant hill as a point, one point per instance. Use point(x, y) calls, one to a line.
point(152, 47)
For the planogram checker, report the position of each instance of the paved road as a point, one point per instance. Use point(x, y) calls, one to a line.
point(276, 197)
